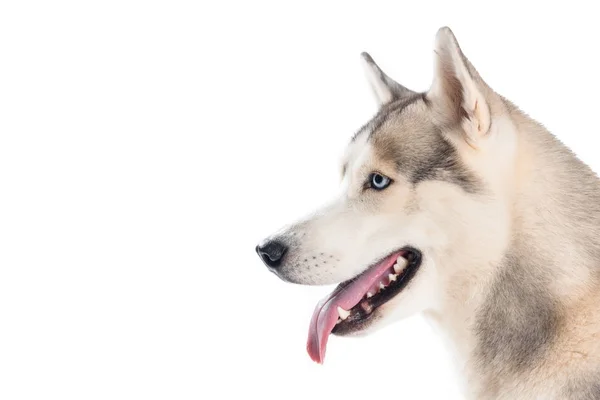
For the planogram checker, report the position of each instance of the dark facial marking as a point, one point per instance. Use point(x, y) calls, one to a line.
point(420, 156)
point(387, 110)
point(444, 164)
point(519, 320)
point(423, 156)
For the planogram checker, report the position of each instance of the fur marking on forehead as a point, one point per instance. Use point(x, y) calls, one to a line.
point(385, 112)
point(419, 150)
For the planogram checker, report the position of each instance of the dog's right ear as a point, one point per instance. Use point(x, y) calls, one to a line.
point(458, 92)
point(384, 87)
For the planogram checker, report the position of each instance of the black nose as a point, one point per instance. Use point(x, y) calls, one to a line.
point(272, 253)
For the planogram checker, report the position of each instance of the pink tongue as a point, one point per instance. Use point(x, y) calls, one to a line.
point(325, 315)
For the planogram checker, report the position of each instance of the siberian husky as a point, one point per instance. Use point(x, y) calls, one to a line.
point(456, 204)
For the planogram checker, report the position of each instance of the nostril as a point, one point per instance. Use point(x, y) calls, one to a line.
point(272, 253)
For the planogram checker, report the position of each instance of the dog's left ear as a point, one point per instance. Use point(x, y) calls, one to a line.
point(385, 88)
point(458, 92)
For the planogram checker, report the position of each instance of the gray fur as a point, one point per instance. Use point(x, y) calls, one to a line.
point(520, 318)
point(587, 388)
point(393, 108)
point(444, 164)
point(423, 154)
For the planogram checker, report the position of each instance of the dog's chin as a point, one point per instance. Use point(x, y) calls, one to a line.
point(365, 317)
point(361, 328)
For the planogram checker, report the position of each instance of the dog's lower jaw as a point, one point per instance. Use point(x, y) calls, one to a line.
point(353, 305)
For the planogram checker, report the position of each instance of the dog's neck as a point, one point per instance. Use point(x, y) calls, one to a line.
point(538, 301)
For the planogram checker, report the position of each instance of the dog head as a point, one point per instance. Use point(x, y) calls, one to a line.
point(423, 184)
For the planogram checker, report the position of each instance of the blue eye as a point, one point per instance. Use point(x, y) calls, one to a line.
point(378, 181)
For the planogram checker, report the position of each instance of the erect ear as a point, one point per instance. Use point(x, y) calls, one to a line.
point(458, 91)
point(384, 87)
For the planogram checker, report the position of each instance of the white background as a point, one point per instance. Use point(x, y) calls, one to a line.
point(146, 147)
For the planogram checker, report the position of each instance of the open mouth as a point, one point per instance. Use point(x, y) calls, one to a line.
point(353, 302)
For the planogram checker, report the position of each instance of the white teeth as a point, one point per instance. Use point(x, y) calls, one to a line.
point(369, 294)
point(381, 287)
point(392, 277)
point(400, 264)
point(343, 313)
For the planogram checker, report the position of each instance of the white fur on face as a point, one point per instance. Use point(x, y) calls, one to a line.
point(344, 237)
point(358, 228)
point(446, 221)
